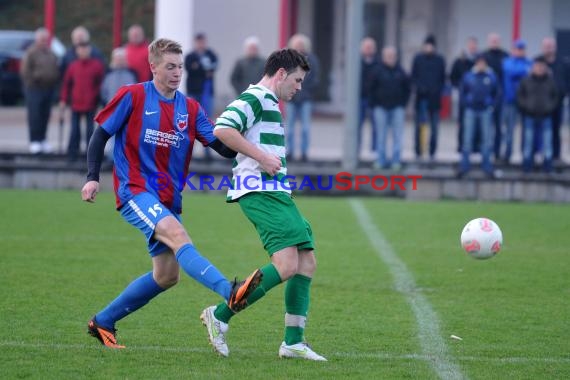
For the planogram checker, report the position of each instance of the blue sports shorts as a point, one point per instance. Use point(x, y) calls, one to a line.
point(144, 211)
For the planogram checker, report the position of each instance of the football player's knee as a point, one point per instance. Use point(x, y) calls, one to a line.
point(168, 279)
point(308, 266)
point(288, 269)
point(312, 265)
point(179, 236)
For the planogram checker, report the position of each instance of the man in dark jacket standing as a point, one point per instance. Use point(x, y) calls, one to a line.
point(479, 91)
point(537, 98)
point(248, 69)
point(390, 93)
point(462, 65)
point(368, 64)
point(494, 55)
point(200, 65)
point(558, 71)
point(428, 77)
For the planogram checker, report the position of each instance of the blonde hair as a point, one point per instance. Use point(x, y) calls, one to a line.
point(160, 47)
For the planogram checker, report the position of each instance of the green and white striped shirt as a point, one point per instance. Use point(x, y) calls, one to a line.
point(255, 114)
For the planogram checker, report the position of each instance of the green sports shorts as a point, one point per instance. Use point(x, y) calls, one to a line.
point(277, 220)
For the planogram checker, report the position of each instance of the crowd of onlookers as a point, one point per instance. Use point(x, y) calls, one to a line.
point(496, 90)
point(81, 80)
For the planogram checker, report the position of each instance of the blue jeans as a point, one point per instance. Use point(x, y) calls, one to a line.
point(532, 127)
point(207, 98)
point(510, 114)
point(366, 111)
point(301, 112)
point(386, 119)
point(425, 115)
point(487, 137)
point(498, 121)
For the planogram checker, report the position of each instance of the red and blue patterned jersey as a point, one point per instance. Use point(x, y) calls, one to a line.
point(154, 137)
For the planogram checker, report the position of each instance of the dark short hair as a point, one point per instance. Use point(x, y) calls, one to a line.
point(288, 59)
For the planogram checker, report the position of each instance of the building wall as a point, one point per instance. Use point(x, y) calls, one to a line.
point(478, 18)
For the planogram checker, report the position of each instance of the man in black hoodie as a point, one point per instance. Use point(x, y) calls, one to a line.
point(537, 97)
point(428, 78)
point(389, 96)
point(494, 55)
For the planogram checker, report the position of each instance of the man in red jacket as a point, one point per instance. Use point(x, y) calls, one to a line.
point(80, 89)
point(137, 53)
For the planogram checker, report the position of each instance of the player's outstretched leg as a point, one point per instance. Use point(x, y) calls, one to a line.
point(217, 329)
point(107, 337)
point(137, 294)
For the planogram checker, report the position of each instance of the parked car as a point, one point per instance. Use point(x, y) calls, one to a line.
point(13, 45)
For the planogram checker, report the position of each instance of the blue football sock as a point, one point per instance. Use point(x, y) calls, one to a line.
point(136, 295)
point(201, 270)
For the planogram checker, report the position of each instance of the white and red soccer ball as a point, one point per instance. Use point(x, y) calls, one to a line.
point(481, 238)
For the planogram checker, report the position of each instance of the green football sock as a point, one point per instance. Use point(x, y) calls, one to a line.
point(296, 308)
point(269, 280)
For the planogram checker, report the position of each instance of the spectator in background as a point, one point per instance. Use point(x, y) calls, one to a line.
point(79, 35)
point(300, 107)
point(460, 66)
point(137, 53)
point(537, 97)
point(200, 65)
point(248, 69)
point(494, 55)
point(119, 75)
point(558, 71)
point(515, 67)
point(389, 96)
point(40, 74)
point(428, 78)
point(480, 93)
point(368, 53)
point(80, 89)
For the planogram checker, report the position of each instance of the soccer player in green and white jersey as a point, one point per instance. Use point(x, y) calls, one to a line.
point(251, 125)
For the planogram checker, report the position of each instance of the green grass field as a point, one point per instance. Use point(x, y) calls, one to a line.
point(62, 260)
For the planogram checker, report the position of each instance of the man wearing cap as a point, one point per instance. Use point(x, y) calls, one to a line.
point(479, 92)
point(515, 67)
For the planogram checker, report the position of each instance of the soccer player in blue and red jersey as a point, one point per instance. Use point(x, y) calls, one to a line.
point(155, 127)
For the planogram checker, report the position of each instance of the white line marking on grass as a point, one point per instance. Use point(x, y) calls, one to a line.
point(348, 355)
point(432, 343)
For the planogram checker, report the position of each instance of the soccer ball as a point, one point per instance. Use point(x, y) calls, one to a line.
point(481, 238)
